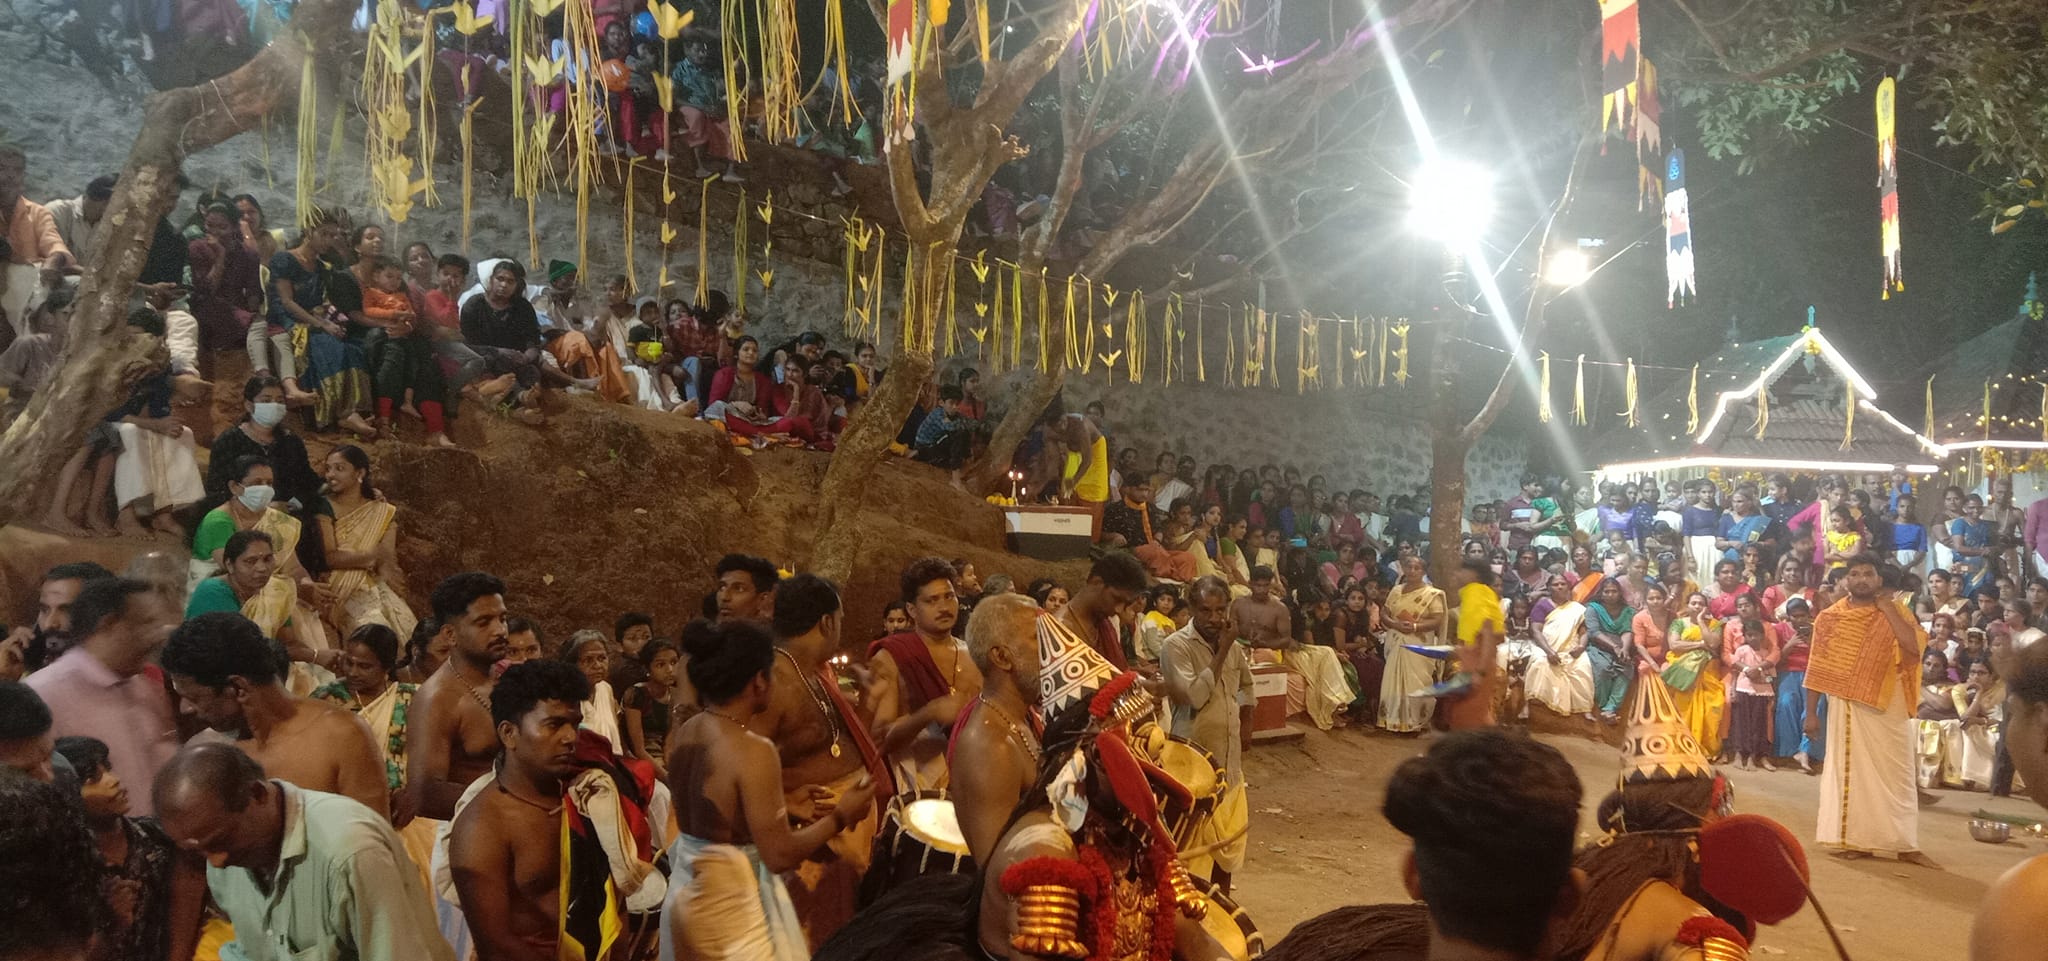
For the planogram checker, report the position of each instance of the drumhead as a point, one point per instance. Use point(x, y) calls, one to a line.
point(1229, 924)
point(1195, 768)
point(933, 821)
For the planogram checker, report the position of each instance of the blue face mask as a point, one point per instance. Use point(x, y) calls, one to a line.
point(257, 497)
point(267, 413)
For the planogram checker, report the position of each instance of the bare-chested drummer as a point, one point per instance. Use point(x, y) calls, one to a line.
point(734, 815)
point(921, 677)
point(824, 740)
point(994, 754)
point(505, 846)
point(230, 676)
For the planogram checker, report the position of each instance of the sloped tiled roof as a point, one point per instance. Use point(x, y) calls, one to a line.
point(2001, 356)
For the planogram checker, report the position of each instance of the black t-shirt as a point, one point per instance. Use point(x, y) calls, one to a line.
point(514, 327)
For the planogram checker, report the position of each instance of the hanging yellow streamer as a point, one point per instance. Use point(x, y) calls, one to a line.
point(780, 80)
point(952, 324)
point(995, 326)
point(1309, 354)
point(739, 252)
point(1201, 362)
point(1382, 348)
point(1930, 406)
point(1579, 393)
point(1071, 315)
point(1016, 315)
point(1134, 337)
point(1173, 338)
point(626, 222)
point(1044, 323)
point(1543, 413)
point(911, 334)
point(1763, 411)
point(1692, 403)
point(703, 241)
point(980, 29)
point(1628, 392)
point(767, 214)
point(856, 235)
point(468, 169)
point(1987, 410)
point(1848, 422)
point(1401, 353)
point(733, 39)
point(835, 58)
point(423, 55)
point(309, 139)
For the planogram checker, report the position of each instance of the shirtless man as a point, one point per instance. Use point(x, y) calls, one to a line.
point(921, 677)
point(1000, 732)
point(733, 812)
point(823, 740)
point(1114, 582)
point(450, 739)
point(227, 674)
point(1084, 478)
point(504, 848)
point(2015, 909)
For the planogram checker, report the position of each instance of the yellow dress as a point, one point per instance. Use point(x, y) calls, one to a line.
point(1698, 686)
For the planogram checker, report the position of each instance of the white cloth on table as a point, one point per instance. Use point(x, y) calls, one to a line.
point(163, 469)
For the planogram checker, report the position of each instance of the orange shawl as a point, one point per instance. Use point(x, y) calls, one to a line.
point(1856, 656)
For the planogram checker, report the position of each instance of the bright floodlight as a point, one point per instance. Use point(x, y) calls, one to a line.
point(1450, 201)
point(1567, 267)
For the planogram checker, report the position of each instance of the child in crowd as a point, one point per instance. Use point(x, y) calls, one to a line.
point(943, 439)
point(1843, 540)
point(403, 358)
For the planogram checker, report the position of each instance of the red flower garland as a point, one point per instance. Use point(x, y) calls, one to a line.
point(1059, 872)
point(1104, 915)
point(1105, 699)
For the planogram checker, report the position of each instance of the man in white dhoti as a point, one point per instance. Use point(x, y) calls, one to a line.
point(1866, 650)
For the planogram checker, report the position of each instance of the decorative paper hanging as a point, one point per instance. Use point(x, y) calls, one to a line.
point(952, 325)
point(1202, 368)
point(1579, 393)
point(739, 251)
point(1930, 407)
point(1134, 337)
point(1692, 403)
point(1071, 313)
point(1888, 185)
point(1543, 414)
point(1382, 346)
point(1628, 393)
point(1621, 42)
point(739, 69)
point(1678, 270)
point(856, 242)
point(1401, 353)
point(767, 214)
point(1649, 138)
point(899, 85)
point(1044, 315)
point(1174, 335)
point(780, 81)
point(1849, 421)
point(1763, 411)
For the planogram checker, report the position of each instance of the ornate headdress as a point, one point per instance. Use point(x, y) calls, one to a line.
point(1658, 746)
point(1069, 669)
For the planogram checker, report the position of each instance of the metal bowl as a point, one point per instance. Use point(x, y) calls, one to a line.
point(1990, 832)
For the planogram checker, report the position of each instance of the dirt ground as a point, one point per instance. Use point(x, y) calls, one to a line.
point(1318, 842)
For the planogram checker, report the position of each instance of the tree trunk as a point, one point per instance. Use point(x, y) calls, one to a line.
point(1447, 453)
point(104, 357)
point(866, 440)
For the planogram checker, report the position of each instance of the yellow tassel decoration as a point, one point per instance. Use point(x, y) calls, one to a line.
point(1382, 348)
point(739, 252)
point(1201, 362)
point(1987, 410)
point(995, 324)
point(1016, 315)
point(626, 228)
point(767, 214)
point(1692, 403)
point(1134, 337)
point(423, 56)
point(1401, 354)
point(1763, 411)
point(733, 35)
point(1579, 393)
point(781, 79)
point(1930, 407)
point(1543, 413)
point(1044, 323)
point(856, 234)
point(980, 29)
point(1628, 392)
point(468, 169)
point(309, 139)
point(1071, 315)
point(911, 335)
point(835, 57)
point(1849, 422)
point(952, 322)
point(703, 241)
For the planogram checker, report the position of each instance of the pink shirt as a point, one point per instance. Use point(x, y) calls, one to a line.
point(2034, 528)
point(131, 714)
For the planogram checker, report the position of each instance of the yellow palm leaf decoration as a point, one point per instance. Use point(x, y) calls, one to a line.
point(766, 211)
point(467, 22)
point(668, 234)
point(543, 71)
point(542, 8)
point(980, 267)
point(669, 22)
point(394, 121)
point(665, 91)
point(668, 193)
point(981, 310)
point(767, 278)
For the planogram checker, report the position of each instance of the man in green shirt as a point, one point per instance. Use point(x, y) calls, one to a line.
point(299, 873)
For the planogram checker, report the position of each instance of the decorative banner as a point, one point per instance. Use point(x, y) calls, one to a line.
point(1678, 275)
point(1579, 393)
point(1888, 184)
point(1543, 413)
point(1621, 40)
point(899, 86)
point(1649, 137)
point(1628, 393)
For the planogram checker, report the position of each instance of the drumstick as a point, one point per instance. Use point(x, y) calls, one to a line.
point(1818, 911)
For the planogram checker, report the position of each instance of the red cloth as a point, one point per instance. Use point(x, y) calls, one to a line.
point(1108, 644)
point(878, 768)
point(915, 671)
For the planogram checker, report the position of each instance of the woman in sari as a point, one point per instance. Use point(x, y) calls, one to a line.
point(362, 554)
point(1359, 619)
point(1791, 583)
point(1230, 558)
point(1610, 647)
point(250, 507)
point(252, 588)
point(1414, 616)
point(367, 686)
point(1653, 628)
point(1562, 678)
point(1527, 578)
point(1692, 670)
point(332, 368)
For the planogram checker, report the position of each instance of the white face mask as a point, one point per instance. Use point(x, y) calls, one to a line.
point(256, 497)
point(267, 414)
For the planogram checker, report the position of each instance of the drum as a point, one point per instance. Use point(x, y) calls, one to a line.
point(920, 835)
point(1196, 769)
point(1229, 924)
